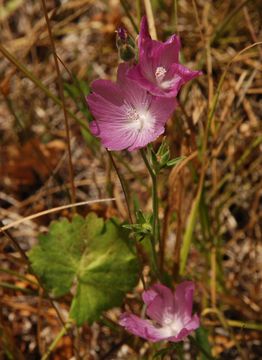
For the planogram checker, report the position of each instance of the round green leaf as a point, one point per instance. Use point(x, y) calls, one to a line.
point(96, 256)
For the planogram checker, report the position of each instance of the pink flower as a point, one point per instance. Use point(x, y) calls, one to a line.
point(126, 116)
point(158, 70)
point(172, 314)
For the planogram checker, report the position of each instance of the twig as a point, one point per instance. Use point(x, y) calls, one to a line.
point(14, 242)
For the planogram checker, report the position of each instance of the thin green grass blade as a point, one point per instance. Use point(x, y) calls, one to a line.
point(189, 234)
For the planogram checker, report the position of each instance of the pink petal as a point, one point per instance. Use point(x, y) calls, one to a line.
point(110, 123)
point(167, 53)
point(183, 72)
point(145, 79)
point(144, 32)
point(162, 108)
point(193, 324)
point(108, 90)
point(113, 136)
point(184, 301)
point(160, 301)
point(140, 327)
point(149, 295)
point(130, 89)
point(121, 74)
point(174, 39)
point(145, 137)
point(153, 48)
point(104, 110)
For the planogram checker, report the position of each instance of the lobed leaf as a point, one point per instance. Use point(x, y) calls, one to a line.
point(95, 256)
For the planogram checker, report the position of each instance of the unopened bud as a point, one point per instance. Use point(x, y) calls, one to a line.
point(122, 34)
point(125, 44)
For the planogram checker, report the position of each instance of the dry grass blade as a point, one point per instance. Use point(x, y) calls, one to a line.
point(59, 208)
point(150, 19)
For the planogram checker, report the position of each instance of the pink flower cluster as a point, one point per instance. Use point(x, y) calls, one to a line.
point(132, 112)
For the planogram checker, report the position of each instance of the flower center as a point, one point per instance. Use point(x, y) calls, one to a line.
point(139, 120)
point(132, 115)
point(160, 73)
point(171, 325)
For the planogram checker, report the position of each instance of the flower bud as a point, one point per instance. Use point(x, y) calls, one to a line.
point(125, 44)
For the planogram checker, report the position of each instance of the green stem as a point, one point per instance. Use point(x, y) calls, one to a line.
point(59, 336)
point(155, 239)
